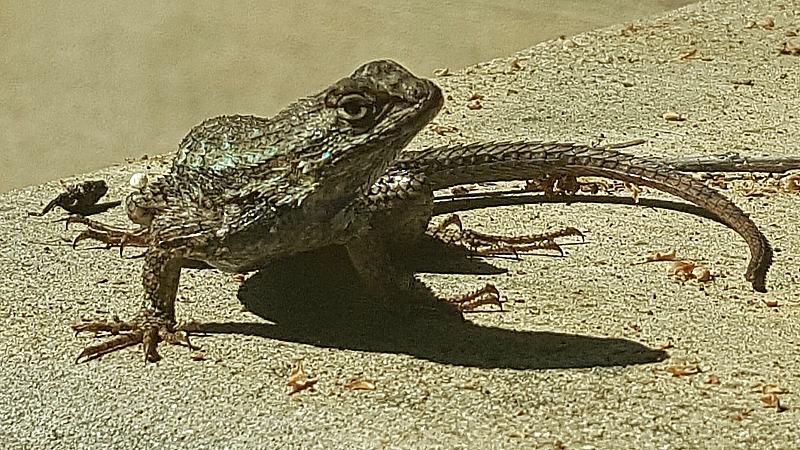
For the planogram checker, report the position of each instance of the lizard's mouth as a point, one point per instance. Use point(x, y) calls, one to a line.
point(423, 100)
point(434, 102)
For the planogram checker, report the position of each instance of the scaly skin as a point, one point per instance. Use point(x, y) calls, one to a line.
point(505, 161)
point(244, 191)
point(400, 205)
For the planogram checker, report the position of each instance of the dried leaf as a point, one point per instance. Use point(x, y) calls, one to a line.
point(359, 384)
point(442, 72)
point(682, 270)
point(566, 42)
point(658, 256)
point(666, 345)
point(673, 116)
point(720, 184)
point(774, 389)
point(790, 47)
point(680, 371)
point(634, 189)
point(441, 130)
point(772, 400)
point(765, 23)
point(702, 274)
point(740, 416)
point(628, 31)
point(791, 184)
point(298, 380)
point(474, 104)
point(459, 190)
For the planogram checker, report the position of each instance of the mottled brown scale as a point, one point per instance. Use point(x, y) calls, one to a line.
point(245, 190)
point(505, 161)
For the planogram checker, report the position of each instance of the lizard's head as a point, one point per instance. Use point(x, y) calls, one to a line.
point(382, 99)
point(368, 117)
point(360, 124)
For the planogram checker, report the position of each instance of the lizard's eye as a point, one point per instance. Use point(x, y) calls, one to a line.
point(356, 108)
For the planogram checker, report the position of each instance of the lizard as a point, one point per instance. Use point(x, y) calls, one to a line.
point(330, 170)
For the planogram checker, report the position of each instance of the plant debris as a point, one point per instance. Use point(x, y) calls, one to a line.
point(681, 371)
point(298, 380)
point(359, 384)
point(673, 116)
point(681, 270)
point(80, 199)
point(790, 47)
point(773, 401)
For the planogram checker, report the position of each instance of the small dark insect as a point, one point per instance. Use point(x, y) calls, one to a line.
point(81, 199)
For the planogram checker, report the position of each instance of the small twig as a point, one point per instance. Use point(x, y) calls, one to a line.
point(733, 162)
point(625, 144)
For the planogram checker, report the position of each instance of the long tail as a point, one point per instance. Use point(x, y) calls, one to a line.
point(506, 161)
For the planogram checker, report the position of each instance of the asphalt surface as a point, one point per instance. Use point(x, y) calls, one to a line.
point(580, 357)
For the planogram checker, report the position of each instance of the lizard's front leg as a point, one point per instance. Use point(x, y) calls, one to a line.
point(392, 215)
point(109, 235)
point(156, 322)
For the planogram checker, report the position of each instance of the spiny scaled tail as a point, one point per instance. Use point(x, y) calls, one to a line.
point(506, 161)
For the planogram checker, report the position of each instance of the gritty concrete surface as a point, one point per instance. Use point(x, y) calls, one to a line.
point(578, 361)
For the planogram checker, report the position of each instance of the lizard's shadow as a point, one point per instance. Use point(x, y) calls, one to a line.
point(319, 299)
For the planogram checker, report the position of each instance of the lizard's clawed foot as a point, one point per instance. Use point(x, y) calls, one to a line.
point(452, 233)
point(487, 295)
point(148, 330)
point(110, 236)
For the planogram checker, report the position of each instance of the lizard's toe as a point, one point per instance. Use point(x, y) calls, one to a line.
point(148, 331)
point(451, 233)
point(487, 295)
